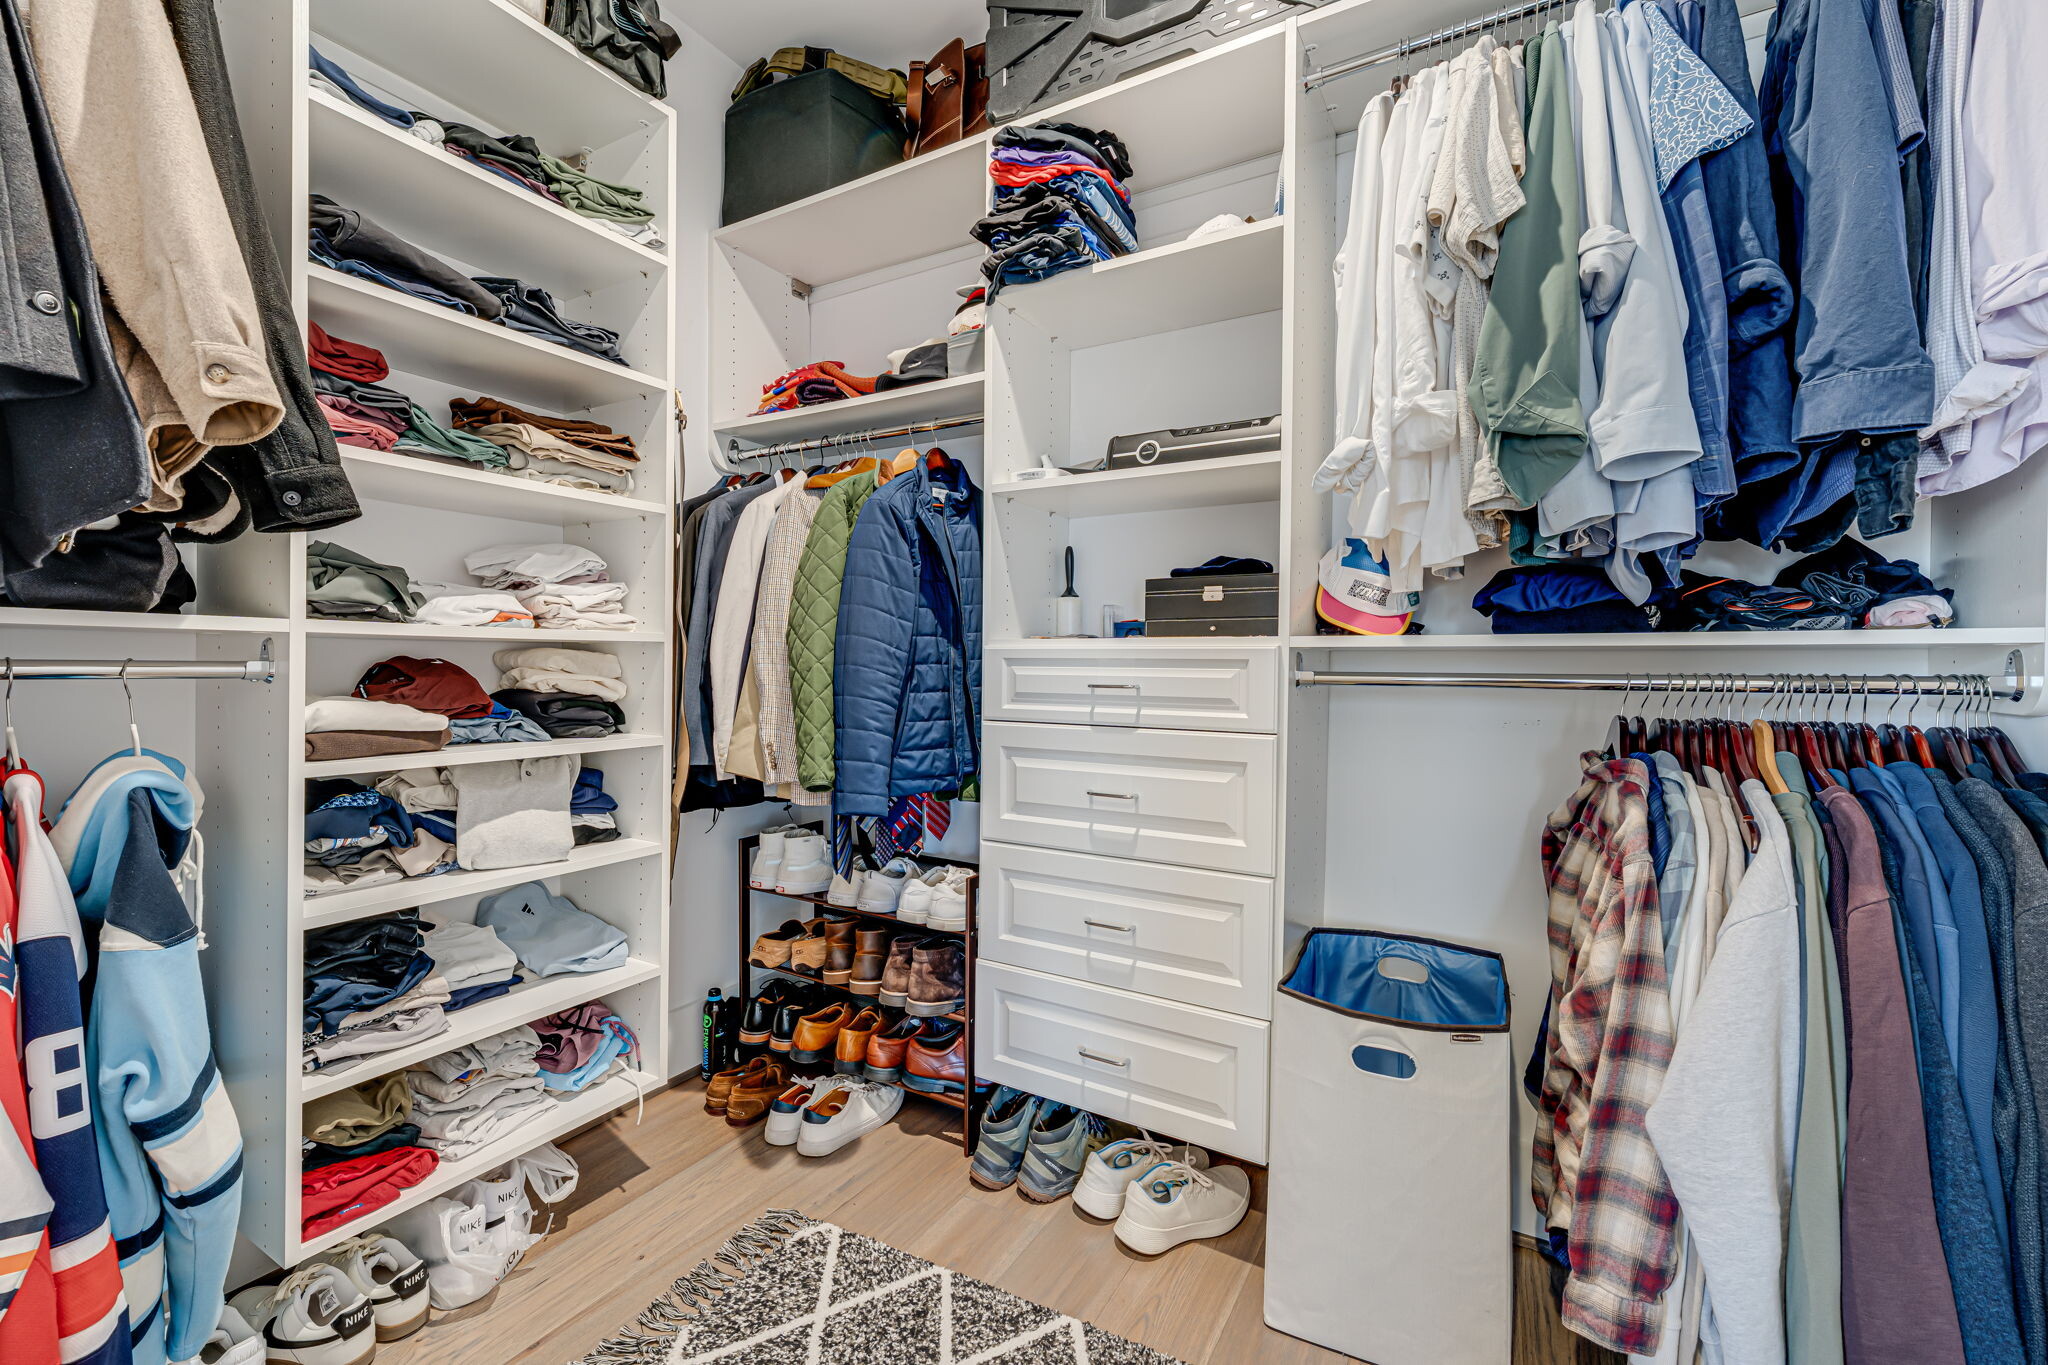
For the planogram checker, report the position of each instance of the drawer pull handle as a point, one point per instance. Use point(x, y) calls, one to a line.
point(1105, 924)
point(1117, 687)
point(1098, 1057)
point(1115, 796)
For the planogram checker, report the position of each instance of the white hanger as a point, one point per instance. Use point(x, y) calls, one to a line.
point(13, 743)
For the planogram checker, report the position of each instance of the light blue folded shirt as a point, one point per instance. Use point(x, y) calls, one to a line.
point(549, 933)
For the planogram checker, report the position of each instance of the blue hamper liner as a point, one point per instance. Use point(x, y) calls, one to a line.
point(1419, 982)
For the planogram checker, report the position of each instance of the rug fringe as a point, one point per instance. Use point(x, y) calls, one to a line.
point(649, 1338)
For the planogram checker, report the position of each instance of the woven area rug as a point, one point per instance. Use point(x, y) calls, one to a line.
point(787, 1290)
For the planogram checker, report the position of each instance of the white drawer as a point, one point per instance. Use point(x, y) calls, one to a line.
point(1196, 799)
point(1204, 938)
point(1193, 1074)
point(1174, 687)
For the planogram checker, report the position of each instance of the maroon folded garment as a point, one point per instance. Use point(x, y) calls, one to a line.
point(352, 428)
point(426, 685)
point(347, 1190)
point(348, 359)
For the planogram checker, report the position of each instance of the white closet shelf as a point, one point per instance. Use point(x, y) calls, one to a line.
point(1223, 482)
point(1183, 284)
point(460, 755)
point(908, 211)
point(42, 618)
point(431, 197)
point(956, 396)
point(393, 476)
point(425, 338)
point(413, 630)
point(489, 59)
point(342, 907)
point(524, 1003)
point(1858, 640)
point(566, 1116)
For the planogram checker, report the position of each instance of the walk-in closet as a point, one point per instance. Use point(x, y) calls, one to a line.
point(1176, 682)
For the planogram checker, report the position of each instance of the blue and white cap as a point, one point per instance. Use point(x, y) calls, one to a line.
point(1355, 593)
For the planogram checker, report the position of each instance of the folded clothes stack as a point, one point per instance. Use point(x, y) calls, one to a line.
point(561, 450)
point(530, 309)
point(343, 585)
point(471, 958)
point(513, 157)
point(414, 1017)
point(370, 987)
point(446, 689)
point(564, 715)
point(513, 814)
point(566, 587)
point(1545, 599)
point(363, 413)
point(551, 934)
point(452, 604)
point(345, 239)
point(823, 381)
point(562, 671)
point(466, 1099)
point(593, 816)
point(362, 1152)
point(1060, 203)
point(353, 727)
point(581, 1046)
point(359, 836)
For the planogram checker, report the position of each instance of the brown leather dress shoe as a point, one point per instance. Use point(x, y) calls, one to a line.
point(871, 955)
point(886, 1050)
point(839, 951)
point(751, 1097)
point(718, 1090)
point(817, 1035)
point(852, 1051)
point(938, 978)
point(772, 949)
point(936, 1060)
point(895, 987)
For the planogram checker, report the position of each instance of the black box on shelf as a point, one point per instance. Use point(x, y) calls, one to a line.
point(1214, 604)
point(802, 136)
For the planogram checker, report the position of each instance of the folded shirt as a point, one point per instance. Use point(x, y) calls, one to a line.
point(359, 1113)
point(338, 744)
point(334, 1196)
point(427, 684)
point(487, 1111)
point(533, 440)
point(470, 414)
point(351, 236)
point(349, 1047)
point(550, 933)
point(564, 715)
point(449, 605)
point(555, 669)
point(318, 1154)
point(360, 713)
point(414, 792)
point(563, 474)
point(425, 436)
point(483, 990)
point(429, 853)
point(580, 606)
point(342, 583)
point(352, 426)
point(502, 726)
point(510, 1053)
point(530, 310)
point(518, 568)
point(465, 953)
point(349, 359)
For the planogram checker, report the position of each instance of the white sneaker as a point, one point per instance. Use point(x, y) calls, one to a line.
point(462, 1260)
point(508, 1215)
point(884, 886)
point(390, 1277)
point(785, 1114)
point(915, 907)
point(315, 1317)
point(233, 1342)
point(806, 865)
point(845, 892)
point(1107, 1174)
point(1173, 1203)
point(768, 857)
point(949, 900)
point(845, 1112)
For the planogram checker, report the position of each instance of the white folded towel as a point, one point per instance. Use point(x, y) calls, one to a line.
point(359, 713)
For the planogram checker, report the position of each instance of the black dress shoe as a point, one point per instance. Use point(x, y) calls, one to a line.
point(759, 1023)
point(800, 1000)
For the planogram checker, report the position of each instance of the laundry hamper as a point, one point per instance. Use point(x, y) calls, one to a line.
point(1391, 1195)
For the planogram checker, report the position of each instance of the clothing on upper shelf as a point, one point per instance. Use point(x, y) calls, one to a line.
point(352, 727)
point(564, 715)
point(342, 583)
point(551, 934)
point(530, 309)
point(561, 671)
point(349, 241)
point(1060, 203)
point(429, 684)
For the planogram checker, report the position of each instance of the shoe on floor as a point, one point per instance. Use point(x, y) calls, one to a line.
point(949, 900)
point(1005, 1129)
point(754, 1096)
point(718, 1090)
point(233, 1342)
point(785, 1113)
point(884, 886)
point(314, 1317)
point(844, 1114)
point(806, 865)
point(389, 1276)
point(1109, 1171)
point(463, 1263)
point(768, 857)
point(508, 1215)
point(1061, 1140)
point(1173, 1203)
point(914, 906)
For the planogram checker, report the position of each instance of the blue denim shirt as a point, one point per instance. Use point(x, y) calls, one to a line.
point(1835, 129)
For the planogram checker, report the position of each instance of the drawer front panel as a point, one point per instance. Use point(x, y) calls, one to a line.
point(1176, 1070)
point(1188, 799)
point(1196, 687)
point(1176, 933)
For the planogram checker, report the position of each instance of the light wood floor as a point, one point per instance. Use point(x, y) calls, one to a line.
point(657, 1198)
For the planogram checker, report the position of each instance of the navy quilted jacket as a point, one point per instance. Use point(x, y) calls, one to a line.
point(907, 661)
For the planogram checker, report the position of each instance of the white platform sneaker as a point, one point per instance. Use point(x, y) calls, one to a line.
point(1173, 1203)
point(1107, 1174)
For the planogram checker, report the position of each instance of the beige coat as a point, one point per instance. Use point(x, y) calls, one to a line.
point(184, 318)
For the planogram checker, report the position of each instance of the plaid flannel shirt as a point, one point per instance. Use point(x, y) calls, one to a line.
point(1597, 1175)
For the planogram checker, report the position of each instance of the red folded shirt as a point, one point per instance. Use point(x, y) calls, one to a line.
point(426, 685)
point(347, 1190)
point(1004, 173)
point(353, 426)
point(348, 359)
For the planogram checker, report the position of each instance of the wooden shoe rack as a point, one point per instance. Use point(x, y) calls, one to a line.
point(970, 1125)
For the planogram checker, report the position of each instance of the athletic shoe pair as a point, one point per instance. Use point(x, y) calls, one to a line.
point(474, 1237)
point(820, 1115)
point(333, 1310)
point(1034, 1144)
point(936, 898)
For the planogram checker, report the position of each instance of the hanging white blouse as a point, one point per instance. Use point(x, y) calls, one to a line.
point(1355, 275)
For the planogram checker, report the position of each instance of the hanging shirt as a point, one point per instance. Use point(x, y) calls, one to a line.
point(1356, 272)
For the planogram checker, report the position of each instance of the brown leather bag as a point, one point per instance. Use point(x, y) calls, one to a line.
point(948, 97)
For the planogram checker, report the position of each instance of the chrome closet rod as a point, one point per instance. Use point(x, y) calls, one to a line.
point(847, 438)
point(1408, 45)
point(135, 670)
point(1705, 684)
